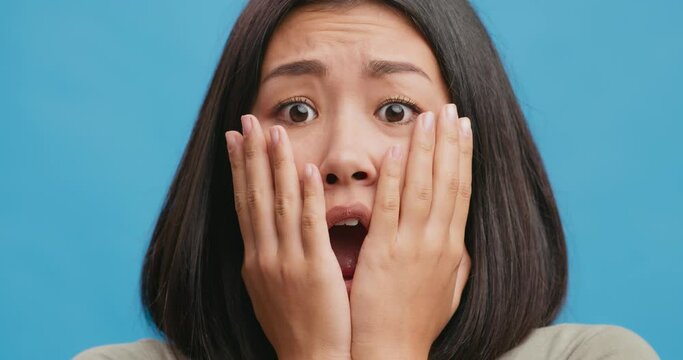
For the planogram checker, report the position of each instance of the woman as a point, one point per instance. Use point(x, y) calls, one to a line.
point(334, 231)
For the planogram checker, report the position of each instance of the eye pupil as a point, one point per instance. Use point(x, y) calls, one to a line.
point(395, 113)
point(298, 113)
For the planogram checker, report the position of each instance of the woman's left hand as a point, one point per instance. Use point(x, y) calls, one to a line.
point(412, 269)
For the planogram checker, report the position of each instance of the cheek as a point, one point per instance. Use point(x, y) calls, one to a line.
point(404, 140)
point(303, 154)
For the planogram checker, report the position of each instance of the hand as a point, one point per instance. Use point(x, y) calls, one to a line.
point(412, 268)
point(290, 271)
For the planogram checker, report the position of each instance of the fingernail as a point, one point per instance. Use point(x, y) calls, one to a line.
point(274, 135)
point(246, 124)
point(451, 112)
point(309, 170)
point(231, 142)
point(396, 151)
point(465, 126)
point(428, 121)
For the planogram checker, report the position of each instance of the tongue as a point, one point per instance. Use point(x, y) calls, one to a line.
point(346, 242)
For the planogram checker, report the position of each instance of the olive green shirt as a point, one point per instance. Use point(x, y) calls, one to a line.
point(563, 341)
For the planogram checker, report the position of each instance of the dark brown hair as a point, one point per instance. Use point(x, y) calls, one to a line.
point(191, 282)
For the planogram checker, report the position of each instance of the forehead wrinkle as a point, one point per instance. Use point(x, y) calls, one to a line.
point(335, 34)
point(337, 24)
point(375, 11)
point(308, 26)
point(345, 39)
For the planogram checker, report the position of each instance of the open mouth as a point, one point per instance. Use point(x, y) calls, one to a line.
point(346, 241)
point(348, 225)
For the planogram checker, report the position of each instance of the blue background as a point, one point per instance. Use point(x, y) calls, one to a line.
point(97, 99)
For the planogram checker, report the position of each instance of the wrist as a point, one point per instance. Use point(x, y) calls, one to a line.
point(380, 351)
point(317, 355)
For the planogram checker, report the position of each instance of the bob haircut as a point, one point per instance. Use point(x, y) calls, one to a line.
point(191, 284)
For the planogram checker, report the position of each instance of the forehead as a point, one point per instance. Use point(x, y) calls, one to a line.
point(348, 36)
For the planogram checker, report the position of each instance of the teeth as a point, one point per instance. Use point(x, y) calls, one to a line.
point(348, 222)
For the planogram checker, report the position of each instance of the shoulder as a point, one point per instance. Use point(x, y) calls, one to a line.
point(142, 349)
point(579, 341)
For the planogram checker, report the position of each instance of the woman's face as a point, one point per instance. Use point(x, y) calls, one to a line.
point(346, 84)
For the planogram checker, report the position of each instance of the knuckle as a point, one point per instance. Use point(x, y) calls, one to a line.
point(288, 270)
point(235, 164)
point(426, 146)
point(454, 185)
point(278, 162)
point(250, 151)
point(393, 176)
point(308, 222)
point(466, 148)
point(456, 249)
point(239, 204)
point(452, 137)
point(393, 253)
point(253, 196)
point(391, 203)
point(309, 194)
point(265, 264)
point(432, 249)
point(246, 273)
point(465, 191)
point(247, 266)
point(283, 201)
point(432, 245)
point(424, 192)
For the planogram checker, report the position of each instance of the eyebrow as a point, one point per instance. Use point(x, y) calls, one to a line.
point(374, 68)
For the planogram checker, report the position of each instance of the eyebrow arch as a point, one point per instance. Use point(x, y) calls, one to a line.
point(378, 68)
point(374, 68)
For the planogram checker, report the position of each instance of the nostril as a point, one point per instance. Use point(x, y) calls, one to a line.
point(361, 175)
point(331, 178)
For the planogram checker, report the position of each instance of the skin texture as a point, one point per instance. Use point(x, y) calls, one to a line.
point(413, 263)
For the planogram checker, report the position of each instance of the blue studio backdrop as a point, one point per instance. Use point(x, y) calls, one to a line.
point(97, 100)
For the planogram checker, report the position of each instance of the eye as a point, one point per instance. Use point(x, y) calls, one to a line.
point(296, 111)
point(398, 111)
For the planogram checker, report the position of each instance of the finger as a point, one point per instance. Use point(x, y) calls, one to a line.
point(235, 144)
point(462, 201)
point(446, 167)
point(385, 211)
point(417, 191)
point(287, 193)
point(259, 187)
point(314, 234)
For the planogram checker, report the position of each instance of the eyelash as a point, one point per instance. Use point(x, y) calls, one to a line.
point(391, 100)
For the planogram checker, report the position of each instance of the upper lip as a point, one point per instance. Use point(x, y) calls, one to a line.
point(353, 211)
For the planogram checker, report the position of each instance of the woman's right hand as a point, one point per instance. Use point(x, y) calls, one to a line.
point(290, 271)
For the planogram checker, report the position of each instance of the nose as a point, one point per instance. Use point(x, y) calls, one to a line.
point(348, 160)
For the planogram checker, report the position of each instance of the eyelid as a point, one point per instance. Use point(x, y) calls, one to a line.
point(292, 100)
point(277, 109)
point(403, 100)
point(400, 99)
